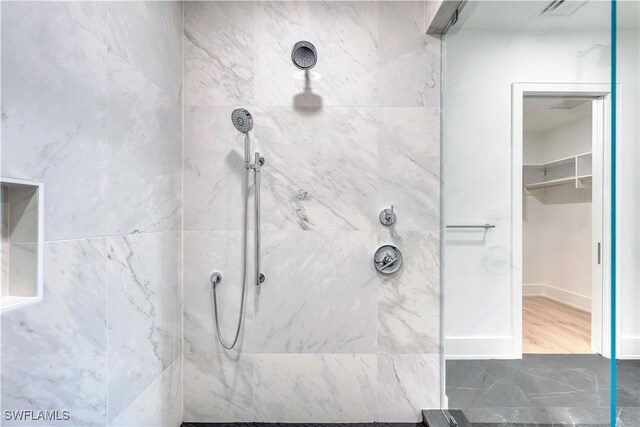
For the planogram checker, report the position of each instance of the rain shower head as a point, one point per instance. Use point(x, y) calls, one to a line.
point(242, 120)
point(304, 55)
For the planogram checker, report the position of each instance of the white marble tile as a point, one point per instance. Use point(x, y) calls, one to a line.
point(159, 405)
point(53, 114)
point(320, 171)
point(148, 35)
point(213, 169)
point(408, 166)
point(315, 388)
point(409, 301)
point(408, 59)
point(407, 383)
point(92, 15)
point(345, 35)
point(218, 53)
point(218, 387)
point(144, 146)
point(319, 294)
point(144, 332)
point(54, 352)
point(204, 253)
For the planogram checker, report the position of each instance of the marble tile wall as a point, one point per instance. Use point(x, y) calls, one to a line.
point(92, 107)
point(325, 338)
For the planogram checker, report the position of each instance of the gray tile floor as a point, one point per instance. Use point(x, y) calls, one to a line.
point(543, 389)
point(300, 425)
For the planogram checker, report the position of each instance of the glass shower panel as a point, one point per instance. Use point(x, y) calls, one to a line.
point(628, 182)
point(525, 193)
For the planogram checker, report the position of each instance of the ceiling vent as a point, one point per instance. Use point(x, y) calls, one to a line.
point(566, 104)
point(562, 7)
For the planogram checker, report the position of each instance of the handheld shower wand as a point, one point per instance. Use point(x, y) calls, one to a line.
point(243, 122)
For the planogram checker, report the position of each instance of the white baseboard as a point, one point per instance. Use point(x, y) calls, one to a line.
point(569, 298)
point(629, 347)
point(479, 347)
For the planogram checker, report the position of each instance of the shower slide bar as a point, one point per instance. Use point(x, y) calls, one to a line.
point(484, 226)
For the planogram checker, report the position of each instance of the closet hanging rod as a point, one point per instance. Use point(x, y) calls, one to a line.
point(485, 226)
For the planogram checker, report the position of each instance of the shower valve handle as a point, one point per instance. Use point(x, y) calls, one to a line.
point(387, 216)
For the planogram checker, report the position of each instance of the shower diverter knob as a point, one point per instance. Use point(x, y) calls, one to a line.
point(387, 259)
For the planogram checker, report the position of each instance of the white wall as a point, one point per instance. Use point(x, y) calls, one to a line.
point(629, 183)
point(556, 225)
point(481, 66)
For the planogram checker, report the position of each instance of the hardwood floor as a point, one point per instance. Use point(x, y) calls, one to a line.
point(550, 327)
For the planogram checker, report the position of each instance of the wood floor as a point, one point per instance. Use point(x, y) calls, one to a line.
point(550, 327)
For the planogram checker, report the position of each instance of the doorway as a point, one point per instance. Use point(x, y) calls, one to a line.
point(560, 138)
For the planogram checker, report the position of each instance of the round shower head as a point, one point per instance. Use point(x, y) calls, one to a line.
point(304, 55)
point(242, 120)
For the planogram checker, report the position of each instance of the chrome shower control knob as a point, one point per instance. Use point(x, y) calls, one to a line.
point(387, 216)
point(387, 259)
point(215, 278)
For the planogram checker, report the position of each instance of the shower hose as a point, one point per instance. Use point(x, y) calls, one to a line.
point(244, 273)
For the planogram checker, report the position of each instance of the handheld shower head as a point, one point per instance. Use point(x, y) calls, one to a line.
point(242, 120)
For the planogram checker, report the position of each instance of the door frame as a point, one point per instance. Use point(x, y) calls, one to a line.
point(601, 289)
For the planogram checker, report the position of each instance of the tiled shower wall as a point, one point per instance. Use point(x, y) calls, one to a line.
point(326, 339)
point(91, 106)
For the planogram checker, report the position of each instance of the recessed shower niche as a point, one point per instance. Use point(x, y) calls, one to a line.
point(22, 242)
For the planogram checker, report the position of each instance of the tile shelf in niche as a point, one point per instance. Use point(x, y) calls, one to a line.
point(22, 242)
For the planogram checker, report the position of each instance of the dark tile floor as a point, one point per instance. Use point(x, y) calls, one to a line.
point(299, 425)
point(543, 389)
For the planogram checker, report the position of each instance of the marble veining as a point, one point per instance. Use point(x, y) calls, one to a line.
point(408, 59)
point(216, 251)
point(330, 289)
point(332, 186)
point(407, 383)
point(54, 353)
point(218, 387)
point(159, 405)
point(346, 36)
point(213, 169)
point(148, 36)
point(144, 147)
point(219, 64)
point(315, 388)
point(357, 133)
point(409, 166)
point(543, 389)
point(143, 290)
point(91, 107)
point(408, 321)
point(61, 87)
point(90, 15)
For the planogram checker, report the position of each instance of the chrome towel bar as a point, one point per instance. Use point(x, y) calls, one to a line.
point(485, 226)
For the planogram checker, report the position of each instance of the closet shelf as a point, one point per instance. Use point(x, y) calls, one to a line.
point(569, 180)
point(564, 161)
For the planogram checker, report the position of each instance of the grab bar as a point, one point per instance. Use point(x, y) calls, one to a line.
point(484, 226)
